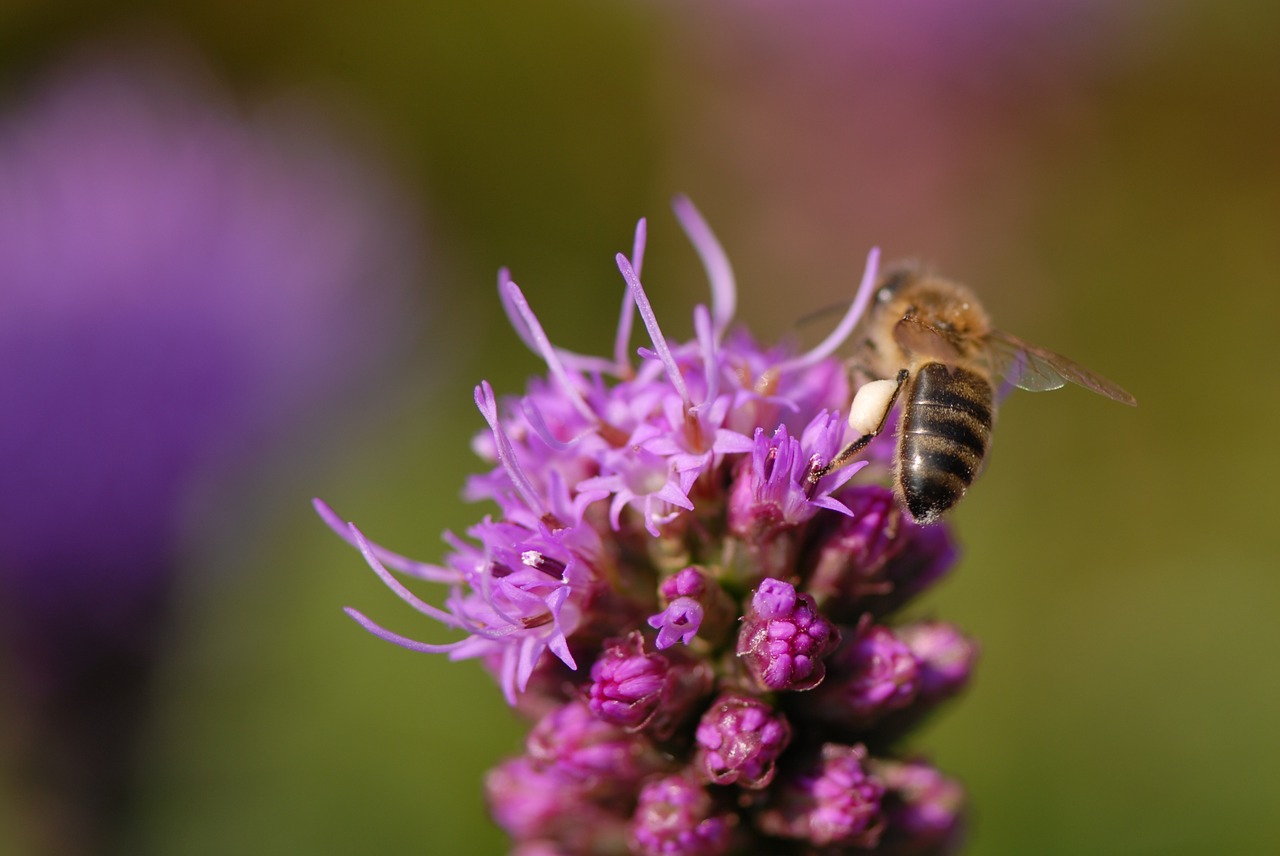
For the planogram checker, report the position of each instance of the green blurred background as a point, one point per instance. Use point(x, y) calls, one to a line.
point(1123, 209)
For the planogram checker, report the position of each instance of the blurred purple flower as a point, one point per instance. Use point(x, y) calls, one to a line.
point(673, 503)
point(828, 799)
point(917, 121)
point(179, 285)
point(923, 810)
point(676, 816)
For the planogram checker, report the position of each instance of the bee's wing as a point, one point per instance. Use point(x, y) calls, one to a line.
point(917, 337)
point(1037, 369)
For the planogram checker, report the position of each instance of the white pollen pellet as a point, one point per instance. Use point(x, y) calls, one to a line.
point(870, 405)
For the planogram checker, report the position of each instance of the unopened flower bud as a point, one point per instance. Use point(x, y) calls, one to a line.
point(877, 559)
point(784, 638)
point(580, 746)
point(924, 810)
point(831, 800)
point(873, 674)
point(529, 800)
point(739, 740)
point(676, 816)
point(695, 606)
point(944, 655)
point(653, 692)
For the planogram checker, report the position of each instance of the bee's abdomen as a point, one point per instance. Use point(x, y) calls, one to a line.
point(946, 428)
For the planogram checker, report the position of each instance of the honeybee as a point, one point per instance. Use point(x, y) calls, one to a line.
point(934, 339)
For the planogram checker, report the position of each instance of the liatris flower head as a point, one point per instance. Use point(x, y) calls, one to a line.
point(702, 621)
point(180, 284)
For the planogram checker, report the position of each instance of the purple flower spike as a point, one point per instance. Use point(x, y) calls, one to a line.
point(924, 810)
point(675, 816)
point(183, 284)
point(784, 638)
point(832, 800)
point(873, 674)
point(679, 496)
point(739, 741)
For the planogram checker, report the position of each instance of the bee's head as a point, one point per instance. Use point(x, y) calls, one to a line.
point(911, 291)
point(895, 279)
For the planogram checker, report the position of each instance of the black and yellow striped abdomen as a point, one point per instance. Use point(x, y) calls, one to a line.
point(943, 438)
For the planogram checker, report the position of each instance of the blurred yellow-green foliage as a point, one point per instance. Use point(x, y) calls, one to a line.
point(1120, 567)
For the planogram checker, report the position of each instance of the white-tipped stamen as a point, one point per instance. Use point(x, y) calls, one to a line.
point(655, 332)
point(580, 362)
point(707, 344)
point(539, 425)
point(366, 549)
point(395, 561)
point(403, 641)
point(548, 353)
point(626, 317)
point(488, 405)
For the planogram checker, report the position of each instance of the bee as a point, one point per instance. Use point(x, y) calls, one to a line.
point(934, 339)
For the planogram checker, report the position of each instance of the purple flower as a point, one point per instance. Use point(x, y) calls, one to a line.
point(852, 552)
point(694, 608)
point(653, 692)
point(873, 674)
point(679, 622)
point(944, 655)
point(628, 685)
point(830, 800)
point(875, 559)
point(644, 505)
point(784, 638)
point(518, 593)
point(774, 493)
point(676, 816)
point(181, 284)
point(536, 802)
point(739, 740)
point(585, 748)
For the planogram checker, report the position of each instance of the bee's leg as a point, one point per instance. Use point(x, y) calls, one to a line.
point(868, 413)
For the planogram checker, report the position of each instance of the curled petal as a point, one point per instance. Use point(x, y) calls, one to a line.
point(845, 328)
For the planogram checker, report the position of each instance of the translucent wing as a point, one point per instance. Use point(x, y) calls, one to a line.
point(1037, 369)
point(918, 337)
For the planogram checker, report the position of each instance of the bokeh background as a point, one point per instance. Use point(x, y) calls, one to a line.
point(1106, 174)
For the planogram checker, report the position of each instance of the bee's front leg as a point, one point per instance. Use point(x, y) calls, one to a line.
point(868, 413)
